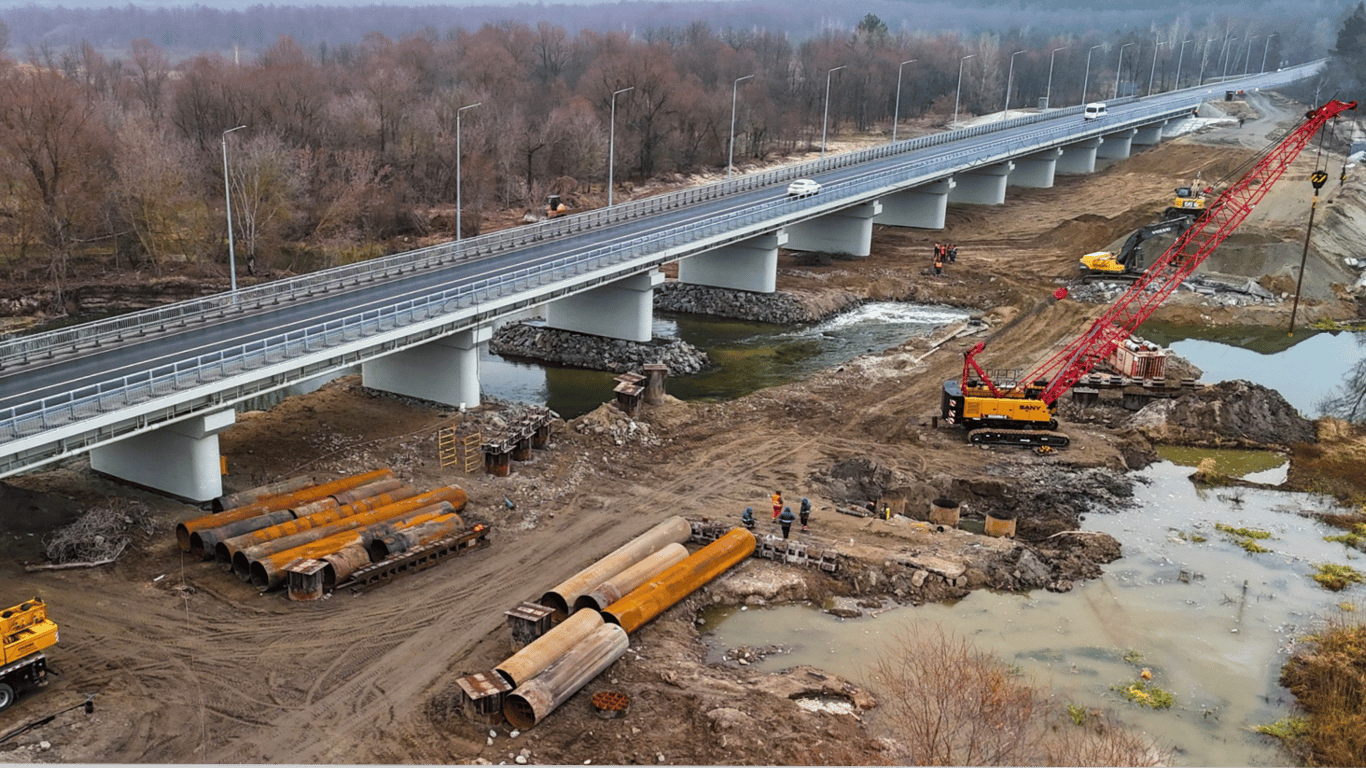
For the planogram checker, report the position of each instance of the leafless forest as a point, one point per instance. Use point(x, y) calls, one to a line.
point(114, 153)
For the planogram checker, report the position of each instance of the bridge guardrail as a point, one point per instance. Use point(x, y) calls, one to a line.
point(91, 401)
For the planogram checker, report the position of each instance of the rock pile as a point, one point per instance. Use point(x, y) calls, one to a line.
point(782, 308)
point(533, 340)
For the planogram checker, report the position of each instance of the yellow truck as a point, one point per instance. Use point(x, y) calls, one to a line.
point(25, 630)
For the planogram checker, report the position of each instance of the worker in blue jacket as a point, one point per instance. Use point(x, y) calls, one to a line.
point(786, 519)
point(805, 512)
point(748, 518)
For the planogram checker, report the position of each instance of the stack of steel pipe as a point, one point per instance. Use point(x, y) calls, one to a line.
point(365, 514)
point(563, 677)
point(203, 533)
point(268, 572)
point(673, 530)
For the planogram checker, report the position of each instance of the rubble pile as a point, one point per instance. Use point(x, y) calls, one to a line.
point(533, 340)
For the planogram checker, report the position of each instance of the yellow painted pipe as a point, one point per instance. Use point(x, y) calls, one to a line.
point(672, 530)
point(187, 529)
point(365, 514)
point(661, 592)
point(533, 700)
point(242, 498)
point(539, 653)
point(343, 498)
point(621, 585)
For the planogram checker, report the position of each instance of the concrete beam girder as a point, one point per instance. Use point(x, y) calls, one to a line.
point(923, 207)
point(1149, 135)
point(1035, 171)
point(1117, 146)
point(848, 231)
point(749, 265)
point(445, 370)
point(1080, 157)
point(982, 186)
point(620, 310)
point(181, 459)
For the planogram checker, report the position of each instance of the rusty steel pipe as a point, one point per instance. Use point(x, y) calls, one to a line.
point(621, 585)
point(242, 498)
point(343, 498)
point(184, 530)
point(533, 700)
point(661, 592)
point(344, 562)
point(365, 515)
point(384, 547)
point(225, 550)
point(204, 541)
point(539, 653)
point(673, 530)
point(269, 572)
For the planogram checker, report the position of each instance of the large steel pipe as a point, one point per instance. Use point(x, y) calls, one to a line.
point(203, 542)
point(673, 530)
point(185, 530)
point(621, 585)
point(365, 515)
point(539, 696)
point(661, 592)
point(226, 549)
point(344, 562)
point(269, 572)
point(347, 497)
point(539, 653)
point(242, 498)
point(384, 547)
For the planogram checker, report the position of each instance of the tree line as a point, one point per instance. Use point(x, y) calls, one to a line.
point(347, 148)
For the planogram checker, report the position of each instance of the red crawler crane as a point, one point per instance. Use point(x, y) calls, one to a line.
point(1022, 414)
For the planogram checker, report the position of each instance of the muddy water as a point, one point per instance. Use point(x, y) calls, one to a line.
point(747, 356)
point(1213, 622)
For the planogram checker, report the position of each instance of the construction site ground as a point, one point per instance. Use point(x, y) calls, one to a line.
point(189, 664)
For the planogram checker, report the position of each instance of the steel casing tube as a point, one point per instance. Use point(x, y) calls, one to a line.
point(539, 653)
point(673, 530)
point(344, 562)
point(621, 585)
point(226, 549)
point(661, 592)
point(338, 500)
point(384, 547)
point(204, 542)
point(242, 498)
point(532, 701)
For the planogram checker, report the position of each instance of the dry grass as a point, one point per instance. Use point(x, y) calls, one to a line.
point(1328, 679)
point(951, 704)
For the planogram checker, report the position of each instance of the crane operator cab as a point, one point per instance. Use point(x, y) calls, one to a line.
point(1095, 111)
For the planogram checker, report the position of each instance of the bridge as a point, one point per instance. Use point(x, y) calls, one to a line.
point(146, 394)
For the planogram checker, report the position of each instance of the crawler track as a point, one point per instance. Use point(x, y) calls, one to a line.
point(1024, 437)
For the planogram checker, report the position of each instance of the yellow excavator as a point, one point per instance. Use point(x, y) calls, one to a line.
point(25, 630)
point(1129, 260)
point(1188, 201)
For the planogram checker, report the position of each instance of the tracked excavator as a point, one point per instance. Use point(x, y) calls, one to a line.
point(1022, 411)
point(1129, 260)
point(1187, 201)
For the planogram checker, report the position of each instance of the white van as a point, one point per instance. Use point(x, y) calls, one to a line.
point(1095, 110)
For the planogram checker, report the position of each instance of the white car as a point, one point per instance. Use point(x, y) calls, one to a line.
point(803, 187)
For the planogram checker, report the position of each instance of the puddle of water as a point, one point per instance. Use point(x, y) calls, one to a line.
point(1254, 466)
point(1213, 622)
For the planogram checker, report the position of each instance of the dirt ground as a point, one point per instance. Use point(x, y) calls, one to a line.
point(188, 664)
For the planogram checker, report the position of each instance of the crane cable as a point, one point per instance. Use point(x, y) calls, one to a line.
point(1318, 178)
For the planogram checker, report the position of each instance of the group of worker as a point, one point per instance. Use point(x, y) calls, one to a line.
point(782, 514)
point(944, 253)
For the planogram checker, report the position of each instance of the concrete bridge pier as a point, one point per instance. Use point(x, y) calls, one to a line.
point(1149, 135)
point(1036, 170)
point(749, 265)
point(849, 230)
point(620, 310)
point(1079, 157)
point(1117, 146)
point(181, 459)
point(445, 370)
point(982, 186)
point(923, 207)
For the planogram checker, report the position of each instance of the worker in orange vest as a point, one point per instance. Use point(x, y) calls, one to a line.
point(777, 504)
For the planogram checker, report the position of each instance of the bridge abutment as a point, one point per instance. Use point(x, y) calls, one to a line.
point(445, 370)
point(1117, 146)
point(923, 207)
point(1079, 157)
point(181, 459)
point(620, 310)
point(982, 186)
point(848, 230)
point(1035, 171)
point(749, 265)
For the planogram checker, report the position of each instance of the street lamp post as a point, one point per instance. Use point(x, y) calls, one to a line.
point(825, 121)
point(1204, 57)
point(1048, 93)
point(959, 90)
point(1120, 68)
point(1224, 76)
point(458, 207)
point(734, 91)
point(1157, 46)
point(1086, 80)
point(1247, 57)
point(1010, 81)
point(612, 144)
point(227, 199)
point(1179, 60)
point(1266, 48)
point(896, 111)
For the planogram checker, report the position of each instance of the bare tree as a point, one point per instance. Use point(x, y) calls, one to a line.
point(264, 192)
point(156, 194)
